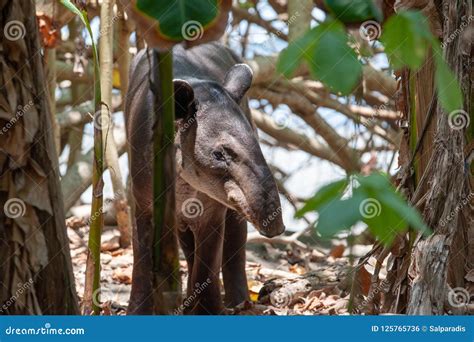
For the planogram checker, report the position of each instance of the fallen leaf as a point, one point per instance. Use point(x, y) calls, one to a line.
point(337, 251)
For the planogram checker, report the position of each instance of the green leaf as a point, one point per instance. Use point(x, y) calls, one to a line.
point(404, 210)
point(290, 58)
point(329, 57)
point(406, 37)
point(338, 215)
point(332, 61)
point(175, 15)
point(374, 201)
point(375, 181)
point(325, 195)
point(383, 221)
point(449, 92)
point(354, 11)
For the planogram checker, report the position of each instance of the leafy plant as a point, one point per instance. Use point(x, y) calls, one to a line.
point(373, 200)
point(407, 39)
point(174, 15)
point(353, 11)
point(325, 50)
point(406, 36)
point(92, 287)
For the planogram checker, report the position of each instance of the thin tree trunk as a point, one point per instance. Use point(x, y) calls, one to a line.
point(111, 154)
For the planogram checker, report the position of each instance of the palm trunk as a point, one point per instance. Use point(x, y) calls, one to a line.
point(35, 271)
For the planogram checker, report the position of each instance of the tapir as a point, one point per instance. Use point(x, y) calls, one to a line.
point(222, 178)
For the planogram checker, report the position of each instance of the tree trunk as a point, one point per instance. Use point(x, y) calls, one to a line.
point(35, 271)
point(442, 261)
point(437, 175)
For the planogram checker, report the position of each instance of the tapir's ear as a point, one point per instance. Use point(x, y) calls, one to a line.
point(184, 101)
point(238, 81)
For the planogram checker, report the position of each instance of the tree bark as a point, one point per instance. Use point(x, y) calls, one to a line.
point(442, 261)
point(35, 272)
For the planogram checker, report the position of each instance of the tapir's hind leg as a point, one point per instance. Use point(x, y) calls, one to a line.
point(141, 298)
point(233, 260)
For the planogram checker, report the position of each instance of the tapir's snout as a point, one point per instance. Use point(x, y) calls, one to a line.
point(254, 194)
point(273, 229)
point(269, 221)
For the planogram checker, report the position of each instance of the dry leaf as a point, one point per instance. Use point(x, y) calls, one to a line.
point(337, 251)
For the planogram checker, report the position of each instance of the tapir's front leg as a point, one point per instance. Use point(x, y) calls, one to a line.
point(233, 260)
point(209, 237)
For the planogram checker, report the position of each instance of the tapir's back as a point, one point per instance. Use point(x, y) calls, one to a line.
point(208, 62)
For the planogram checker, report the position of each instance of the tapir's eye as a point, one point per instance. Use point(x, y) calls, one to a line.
point(218, 155)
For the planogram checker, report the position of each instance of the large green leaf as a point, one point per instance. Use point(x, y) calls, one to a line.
point(338, 215)
point(354, 11)
point(447, 85)
point(175, 15)
point(383, 221)
point(407, 38)
point(329, 57)
point(326, 194)
point(374, 201)
point(291, 57)
point(332, 61)
point(391, 213)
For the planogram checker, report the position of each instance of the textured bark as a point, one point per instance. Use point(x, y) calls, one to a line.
point(436, 176)
point(440, 262)
point(36, 271)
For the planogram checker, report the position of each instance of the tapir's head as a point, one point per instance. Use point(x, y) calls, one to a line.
point(219, 153)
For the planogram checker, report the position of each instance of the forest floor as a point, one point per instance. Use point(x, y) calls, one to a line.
point(283, 280)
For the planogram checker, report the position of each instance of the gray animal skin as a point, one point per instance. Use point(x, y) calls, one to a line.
point(221, 171)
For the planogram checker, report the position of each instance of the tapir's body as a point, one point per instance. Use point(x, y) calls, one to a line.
point(222, 178)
